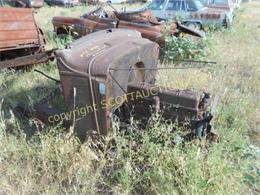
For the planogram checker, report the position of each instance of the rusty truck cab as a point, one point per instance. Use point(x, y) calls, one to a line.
point(92, 79)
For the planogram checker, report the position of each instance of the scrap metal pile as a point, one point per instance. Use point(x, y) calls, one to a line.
point(105, 74)
point(98, 85)
point(100, 19)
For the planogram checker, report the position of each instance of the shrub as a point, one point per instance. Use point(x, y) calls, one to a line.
point(180, 48)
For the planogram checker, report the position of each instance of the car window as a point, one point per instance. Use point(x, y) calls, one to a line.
point(156, 5)
point(176, 5)
point(191, 6)
point(198, 4)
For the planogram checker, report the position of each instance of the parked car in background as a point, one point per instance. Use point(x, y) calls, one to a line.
point(66, 3)
point(223, 5)
point(24, 3)
point(191, 12)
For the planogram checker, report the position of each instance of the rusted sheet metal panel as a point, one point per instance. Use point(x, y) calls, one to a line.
point(14, 14)
point(27, 60)
point(17, 44)
point(150, 33)
point(145, 16)
point(25, 35)
point(17, 28)
point(6, 26)
point(94, 23)
point(185, 106)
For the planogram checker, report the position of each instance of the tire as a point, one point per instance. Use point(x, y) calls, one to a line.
point(199, 131)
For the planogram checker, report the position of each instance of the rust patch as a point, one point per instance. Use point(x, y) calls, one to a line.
point(17, 27)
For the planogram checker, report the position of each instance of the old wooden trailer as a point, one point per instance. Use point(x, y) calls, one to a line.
point(21, 40)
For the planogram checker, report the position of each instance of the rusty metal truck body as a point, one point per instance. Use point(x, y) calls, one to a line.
point(80, 27)
point(86, 74)
point(21, 41)
point(111, 74)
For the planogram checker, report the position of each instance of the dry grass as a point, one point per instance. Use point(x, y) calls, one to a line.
point(53, 162)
